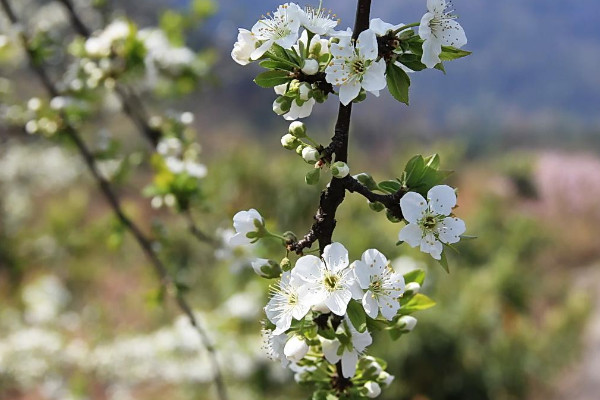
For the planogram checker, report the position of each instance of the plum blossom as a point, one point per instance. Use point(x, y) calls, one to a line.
point(382, 28)
point(247, 225)
point(354, 67)
point(243, 48)
point(429, 223)
point(328, 281)
point(318, 20)
point(295, 349)
point(383, 285)
point(351, 351)
point(286, 303)
point(280, 28)
point(439, 28)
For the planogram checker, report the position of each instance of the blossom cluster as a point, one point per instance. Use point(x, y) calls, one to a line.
point(308, 59)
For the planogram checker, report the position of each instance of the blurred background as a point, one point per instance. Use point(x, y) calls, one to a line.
point(81, 312)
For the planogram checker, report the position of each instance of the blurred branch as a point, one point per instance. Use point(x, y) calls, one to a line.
point(105, 187)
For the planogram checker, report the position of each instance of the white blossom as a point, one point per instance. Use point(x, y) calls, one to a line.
point(382, 28)
point(243, 48)
point(439, 28)
point(318, 20)
point(295, 349)
point(288, 301)
point(350, 353)
point(408, 321)
point(354, 66)
point(429, 223)
point(300, 109)
point(281, 28)
point(245, 223)
point(383, 285)
point(329, 280)
point(373, 389)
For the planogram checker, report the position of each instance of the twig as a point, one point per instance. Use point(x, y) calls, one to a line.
point(165, 280)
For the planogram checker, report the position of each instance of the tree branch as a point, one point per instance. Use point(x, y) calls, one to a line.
point(106, 189)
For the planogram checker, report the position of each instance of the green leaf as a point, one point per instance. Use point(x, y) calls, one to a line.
point(450, 53)
point(312, 177)
point(415, 168)
point(412, 61)
point(433, 161)
point(390, 186)
point(444, 262)
point(418, 276)
point(357, 315)
point(270, 79)
point(398, 83)
point(276, 64)
point(395, 333)
point(418, 302)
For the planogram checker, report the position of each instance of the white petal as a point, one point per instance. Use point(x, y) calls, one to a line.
point(453, 34)
point(330, 348)
point(425, 27)
point(389, 307)
point(436, 6)
point(308, 269)
point(349, 360)
point(349, 91)
point(302, 111)
point(450, 230)
point(239, 239)
point(432, 48)
point(376, 261)
point(411, 234)
point(335, 256)
point(288, 41)
point(431, 245)
point(259, 52)
point(367, 44)
point(381, 28)
point(283, 323)
point(300, 311)
point(360, 341)
point(343, 48)
point(357, 292)
point(374, 79)
point(338, 301)
point(370, 305)
point(413, 207)
point(363, 274)
point(442, 199)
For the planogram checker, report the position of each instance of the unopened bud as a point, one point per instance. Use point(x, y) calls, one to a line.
point(413, 287)
point(407, 323)
point(385, 378)
point(300, 148)
point(373, 389)
point(312, 178)
point(367, 180)
point(310, 155)
point(282, 105)
point(285, 264)
point(298, 129)
point(315, 49)
point(340, 169)
point(311, 66)
point(295, 349)
point(304, 92)
point(289, 142)
point(268, 269)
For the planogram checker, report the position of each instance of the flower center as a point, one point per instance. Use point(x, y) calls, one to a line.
point(331, 281)
point(359, 67)
point(429, 222)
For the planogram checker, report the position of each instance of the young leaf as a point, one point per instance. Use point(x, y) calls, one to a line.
point(270, 79)
point(418, 302)
point(450, 53)
point(418, 276)
point(390, 186)
point(415, 168)
point(276, 64)
point(357, 315)
point(398, 83)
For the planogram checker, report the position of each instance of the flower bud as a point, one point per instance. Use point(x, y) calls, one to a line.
point(282, 105)
point(295, 349)
point(319, 95)
point(407, 322)
point(289, 142)
point(314, 50)
point(310, 155)
point(376, 206)
point(312, 178)
point(298, 129)
point(340, 169)
point(304, 92)
point(413, 287)
point(266, 268)
point(311, 66)
point(367, 180)
point(385, 378)
point(285, 264)
point(373, 389)
point(300, 148)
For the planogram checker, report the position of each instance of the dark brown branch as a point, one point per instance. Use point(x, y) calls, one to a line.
point(106, 189)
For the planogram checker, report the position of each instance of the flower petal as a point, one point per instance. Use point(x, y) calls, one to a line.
point(453, 34)
point(349, 360)
point(330, 348)
point(259, 52)
point(375, 261)
point(308, 269)
point(411, 234)
point(374, 79)
point(413, 207)
point(367, 44)
point(389, 307)
point(363, 274)
point(239, 239)
point(436, 6)
point(335, 256)
point(370, 305)
point(349, 91)
point(450, 230)
point(442, 199)
point(338, 301)
point(381, 28)
point(431, 245)
point(432, 48)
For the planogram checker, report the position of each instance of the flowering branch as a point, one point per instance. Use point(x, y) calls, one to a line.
point(106, 189)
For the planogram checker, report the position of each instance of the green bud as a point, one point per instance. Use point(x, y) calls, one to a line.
point(366, 180)
point(391, 217)
point(310, 154)
point(376, 206)
point(312, 178)
point(268, 269)
point(290, 237)
point(300, 149)
point(290, 142)
point(285, 264)
point(315, 48)
point(340, 169)
point(298, 129)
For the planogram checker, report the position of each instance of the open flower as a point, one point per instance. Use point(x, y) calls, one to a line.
point(351, 351)
point(383, 285)
point(247, 225)
point(439, 28)
point(327, 281)
point(318, 20)
point(281, 28)
point(286, 304)
point(354, 67)
point(243, 48)
point(429, 223)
